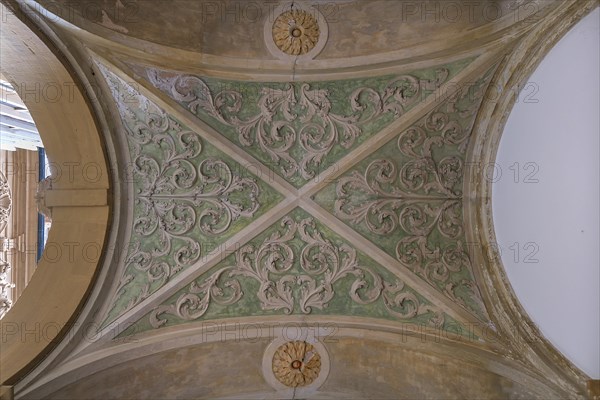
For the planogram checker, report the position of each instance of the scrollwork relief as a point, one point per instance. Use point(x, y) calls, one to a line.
point(417, 196)
point(295, 127)
point(180, 193)
point(296, 279)
point(5, 210)
point(5, 202)
point(5, 286)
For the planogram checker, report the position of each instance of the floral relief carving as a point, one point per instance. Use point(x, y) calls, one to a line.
point(186, 194)
point(5, 210)
point(296, 363)
point(5, 286)
point(295, 127)
point(296, 280)
point(5, 201)
point(418, 195)
point(43, 187)
point(296, 32)
point(179, 193)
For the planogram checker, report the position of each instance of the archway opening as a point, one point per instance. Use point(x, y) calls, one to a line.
point(23, 164)
point(545, 196)
point(76, 195)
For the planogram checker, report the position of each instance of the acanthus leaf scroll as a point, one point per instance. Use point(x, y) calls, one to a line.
point(295, 127)
point(418, 195)
point(179, 193)
point(313, 270)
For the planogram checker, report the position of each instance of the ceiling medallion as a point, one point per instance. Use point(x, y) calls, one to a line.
point(296, 364)
point(296, 32)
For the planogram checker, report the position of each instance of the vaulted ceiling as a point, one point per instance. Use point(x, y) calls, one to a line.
point(299, 201)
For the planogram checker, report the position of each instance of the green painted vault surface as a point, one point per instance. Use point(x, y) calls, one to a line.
point(189, 197)
point(297, 266)
point(407, 197)
point(301, 128)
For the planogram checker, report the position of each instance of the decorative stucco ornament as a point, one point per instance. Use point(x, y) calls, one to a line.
point(296, 364)
point(40, 196)
point(295, 127)
point(296, 32)
point(5, 202)
point(296, 276)
point(187, 194)
point(5, 286)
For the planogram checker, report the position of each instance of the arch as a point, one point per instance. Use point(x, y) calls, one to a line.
point(549, 163)
point(78, 199)
point(512, 73)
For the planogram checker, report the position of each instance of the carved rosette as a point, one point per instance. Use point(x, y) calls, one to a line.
point(296, 364)
point(296, 32)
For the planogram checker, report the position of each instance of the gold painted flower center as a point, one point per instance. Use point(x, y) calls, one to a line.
point(296, 364)
point(296, 32)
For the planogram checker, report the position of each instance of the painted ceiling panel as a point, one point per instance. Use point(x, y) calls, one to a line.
point(298, 266)
point(300, 128)
point(231, 27)
point(407, 197)
point(297, 171)
point(189, 197)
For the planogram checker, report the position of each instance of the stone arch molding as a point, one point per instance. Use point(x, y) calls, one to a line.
point(511, 77)
point(78, 198)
